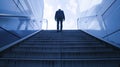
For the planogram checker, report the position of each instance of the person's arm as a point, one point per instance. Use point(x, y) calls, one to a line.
point(63, 16)
point(56, 16)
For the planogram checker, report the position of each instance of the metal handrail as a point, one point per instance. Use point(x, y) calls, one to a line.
point(10, 15)
point(111, 33)
point(94, 16)
point(10, 32)
point(88, 16)
point(46, 23)
point(109, 7)
point(84, 18)
point(78, 23)
point(16, 42)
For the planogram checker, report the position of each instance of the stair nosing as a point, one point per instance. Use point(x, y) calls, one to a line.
point(96, 59)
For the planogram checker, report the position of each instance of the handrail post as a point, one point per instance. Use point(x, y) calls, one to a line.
point(10, 15)
point(46, 21)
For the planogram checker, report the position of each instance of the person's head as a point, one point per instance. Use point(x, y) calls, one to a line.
point(59, 9)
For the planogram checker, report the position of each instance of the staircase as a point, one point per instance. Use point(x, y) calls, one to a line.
point(69, 48)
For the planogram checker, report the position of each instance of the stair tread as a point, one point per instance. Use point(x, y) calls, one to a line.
point(67, 51)
point(64, 46)
point(62, 52)
point(57, 46)
point(60, 49)
point(95, 59)
point(60, 42)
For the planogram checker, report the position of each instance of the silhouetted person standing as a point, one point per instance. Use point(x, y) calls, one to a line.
point(59, 17)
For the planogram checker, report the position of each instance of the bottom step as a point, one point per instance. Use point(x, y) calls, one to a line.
point(7, 62)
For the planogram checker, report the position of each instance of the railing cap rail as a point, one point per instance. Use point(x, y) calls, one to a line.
point(11, 15)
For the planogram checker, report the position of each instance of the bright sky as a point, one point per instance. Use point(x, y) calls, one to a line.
point(68, 6)
point(71, 9)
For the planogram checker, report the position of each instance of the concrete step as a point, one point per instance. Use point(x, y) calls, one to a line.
point(64, 43)
point(58, 49)
point(23, 62)
point(57, 56)
point(60, 40)
point(63, 49)
point(71, 55)
point(63, 34)
point(60, 45)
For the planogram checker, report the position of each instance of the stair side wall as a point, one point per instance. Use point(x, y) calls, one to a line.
point(101, 20)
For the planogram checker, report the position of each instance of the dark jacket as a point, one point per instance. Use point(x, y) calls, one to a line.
point(59, 15)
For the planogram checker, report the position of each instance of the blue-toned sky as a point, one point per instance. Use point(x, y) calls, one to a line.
point(71, 8)
point(68, 6)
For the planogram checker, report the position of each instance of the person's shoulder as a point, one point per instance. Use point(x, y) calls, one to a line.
point(57, 11)
point(62, 11)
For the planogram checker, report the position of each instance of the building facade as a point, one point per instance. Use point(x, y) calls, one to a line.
point(101, 19)
point(19, 18)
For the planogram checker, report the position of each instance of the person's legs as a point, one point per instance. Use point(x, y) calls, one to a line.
point(57, 25)
point(61, 25)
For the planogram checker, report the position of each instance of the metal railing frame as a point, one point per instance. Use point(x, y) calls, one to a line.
point(10, 15)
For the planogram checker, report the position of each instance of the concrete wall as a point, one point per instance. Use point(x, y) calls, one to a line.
point(101, 19)
point(19, 18)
